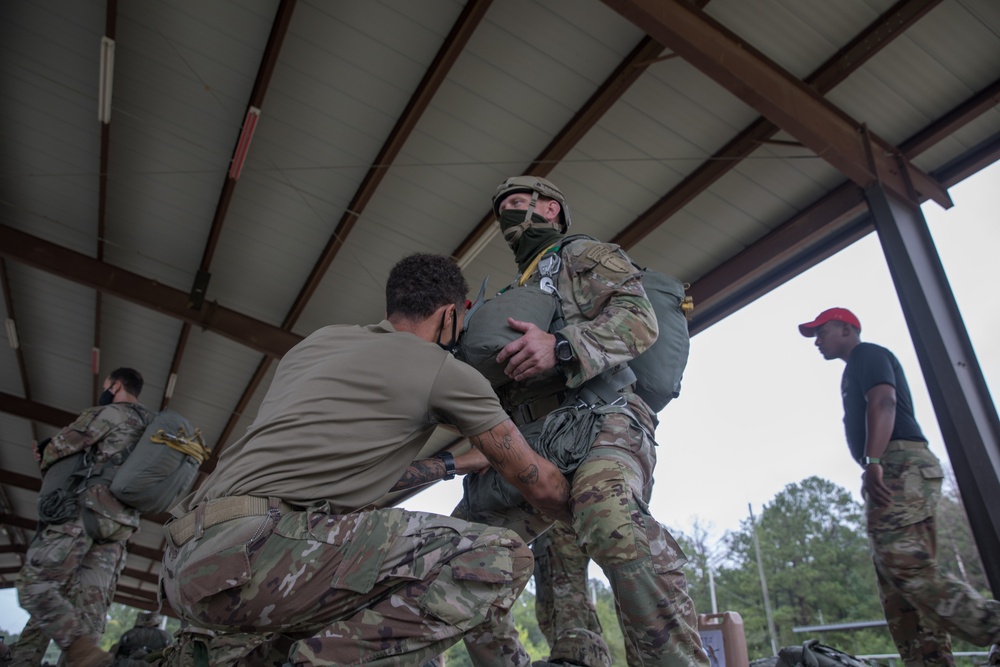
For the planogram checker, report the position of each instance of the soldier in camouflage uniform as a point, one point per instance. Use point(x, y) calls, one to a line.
point(901, 485)
point(579, 375)
point(78, 552)
point(282, 539)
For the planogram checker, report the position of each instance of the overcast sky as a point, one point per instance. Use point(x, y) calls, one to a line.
point(760, 408)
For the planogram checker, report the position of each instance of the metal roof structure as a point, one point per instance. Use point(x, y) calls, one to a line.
point(189, 188)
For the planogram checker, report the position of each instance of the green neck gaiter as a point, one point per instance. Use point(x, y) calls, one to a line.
point(527, 240)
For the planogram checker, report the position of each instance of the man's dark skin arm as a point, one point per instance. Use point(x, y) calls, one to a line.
point(425, 471)
point(880, 417)
point(538, 480)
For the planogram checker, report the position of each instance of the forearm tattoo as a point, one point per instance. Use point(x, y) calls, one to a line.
point(495, 446)
point(420, 472)
point(529, 476)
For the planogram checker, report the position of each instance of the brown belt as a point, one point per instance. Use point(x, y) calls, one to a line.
point(219, 511)
point(535, 410)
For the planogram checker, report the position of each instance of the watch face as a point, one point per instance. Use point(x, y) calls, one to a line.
point(564, 352)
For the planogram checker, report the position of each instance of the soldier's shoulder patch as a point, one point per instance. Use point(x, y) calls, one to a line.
point(608, 257)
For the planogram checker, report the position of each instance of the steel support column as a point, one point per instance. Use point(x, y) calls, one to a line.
point(965, 411)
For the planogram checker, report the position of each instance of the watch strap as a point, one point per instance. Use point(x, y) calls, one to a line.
point(449, 464)
point(868, 460)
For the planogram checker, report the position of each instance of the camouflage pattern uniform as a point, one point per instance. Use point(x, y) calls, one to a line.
point(382, 587)
point(31, 646)
point(71, 568)
point(922, 604)
point(562, 591)
point(609, 321)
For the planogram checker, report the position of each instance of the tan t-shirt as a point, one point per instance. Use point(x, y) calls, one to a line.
point(348, 410)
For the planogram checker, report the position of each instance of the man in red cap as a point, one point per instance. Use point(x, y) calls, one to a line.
point(901, 485)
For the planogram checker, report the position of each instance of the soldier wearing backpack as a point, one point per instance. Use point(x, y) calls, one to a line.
point(572, 393)
point(73, 563)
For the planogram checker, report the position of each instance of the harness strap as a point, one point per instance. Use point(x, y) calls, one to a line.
point(606, 388)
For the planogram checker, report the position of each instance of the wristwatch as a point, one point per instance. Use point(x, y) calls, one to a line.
point(564, 351)
point(868, 460)
point(449, 464)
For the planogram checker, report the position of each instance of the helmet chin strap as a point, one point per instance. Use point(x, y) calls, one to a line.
point(512, 234)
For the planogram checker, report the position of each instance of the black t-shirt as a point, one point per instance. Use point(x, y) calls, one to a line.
point(870, 365)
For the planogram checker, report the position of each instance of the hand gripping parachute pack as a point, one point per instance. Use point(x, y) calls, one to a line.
point(487, 332)
point(162, 466)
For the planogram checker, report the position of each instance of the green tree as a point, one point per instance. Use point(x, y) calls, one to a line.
point(121, 618)
point(957, 552)
point(815, 560)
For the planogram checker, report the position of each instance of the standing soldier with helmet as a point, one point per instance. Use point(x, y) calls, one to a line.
point(567, 385)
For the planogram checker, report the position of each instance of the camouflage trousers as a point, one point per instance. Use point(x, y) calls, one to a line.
point(68, 581)
point(31, 646)
point(562, 591)
point(640, 558)
point(384, 587)
point(922, 604)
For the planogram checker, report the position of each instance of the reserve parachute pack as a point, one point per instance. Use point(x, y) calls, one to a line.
point(162, 466)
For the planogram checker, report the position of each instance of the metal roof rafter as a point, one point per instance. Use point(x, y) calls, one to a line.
point(789, 103)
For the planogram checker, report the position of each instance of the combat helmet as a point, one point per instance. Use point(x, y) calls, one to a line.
point(148, 619)
point(579, 646)
point(541, 187)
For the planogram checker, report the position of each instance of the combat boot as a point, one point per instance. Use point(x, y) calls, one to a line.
point(84, 652)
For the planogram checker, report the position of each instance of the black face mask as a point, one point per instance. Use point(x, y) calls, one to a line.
point(452, 347)
point(107, 397)
point(527, 243)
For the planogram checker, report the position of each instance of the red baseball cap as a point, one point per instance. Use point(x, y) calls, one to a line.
point(830, 315)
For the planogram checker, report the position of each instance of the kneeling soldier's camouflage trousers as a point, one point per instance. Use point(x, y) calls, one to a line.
point(385, 587)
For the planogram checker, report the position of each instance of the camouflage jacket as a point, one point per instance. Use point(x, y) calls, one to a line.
point(104, 431)
point(608, 319)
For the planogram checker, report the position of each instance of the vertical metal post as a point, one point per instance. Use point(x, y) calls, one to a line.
point(965, 411)
point(763, 584)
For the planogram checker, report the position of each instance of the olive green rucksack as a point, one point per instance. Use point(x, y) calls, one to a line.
point(162, 466)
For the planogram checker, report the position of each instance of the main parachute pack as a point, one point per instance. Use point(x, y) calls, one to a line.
point(162, 466)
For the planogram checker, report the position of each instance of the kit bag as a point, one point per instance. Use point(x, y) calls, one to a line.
point(162, 466)
point(814, 654)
